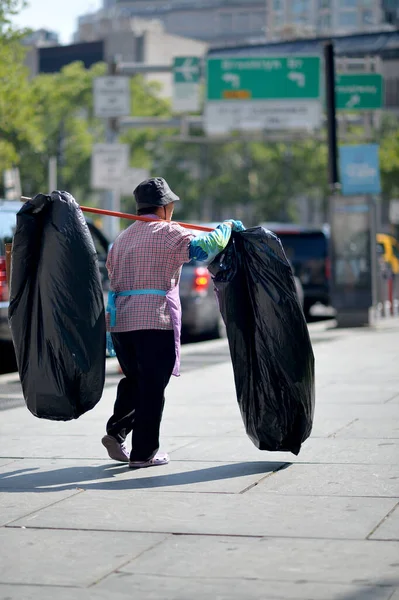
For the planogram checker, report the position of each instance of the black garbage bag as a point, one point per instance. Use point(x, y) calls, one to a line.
point(56, 309)
point(269, 342)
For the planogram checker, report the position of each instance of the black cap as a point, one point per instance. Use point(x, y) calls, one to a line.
point(154, 192)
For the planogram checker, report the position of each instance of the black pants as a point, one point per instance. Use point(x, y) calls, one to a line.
point(147, 358)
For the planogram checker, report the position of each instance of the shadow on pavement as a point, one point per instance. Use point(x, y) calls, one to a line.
point(23, 480)
point(379, 591)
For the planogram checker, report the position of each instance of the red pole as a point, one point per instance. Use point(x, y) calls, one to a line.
point(111, 213)
point(121, 215)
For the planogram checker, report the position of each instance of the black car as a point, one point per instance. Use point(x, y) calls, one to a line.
point(8, 211)
point(200, 311)
point(307, 248)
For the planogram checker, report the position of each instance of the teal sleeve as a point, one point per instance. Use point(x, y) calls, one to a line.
point(212, 243)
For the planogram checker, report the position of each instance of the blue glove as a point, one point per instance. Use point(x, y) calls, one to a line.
point(237, 225)
point(202, 247)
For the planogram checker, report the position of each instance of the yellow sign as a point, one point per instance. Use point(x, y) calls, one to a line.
point(237, 94)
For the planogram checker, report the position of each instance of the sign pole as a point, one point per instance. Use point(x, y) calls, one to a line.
point(332, 144)
point(332, 137)
point(112, 197)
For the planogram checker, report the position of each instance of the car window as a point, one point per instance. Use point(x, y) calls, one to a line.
point(99, 244)
point(395, 250)
point(8, 224)
point(380, 249)
point(299, 246)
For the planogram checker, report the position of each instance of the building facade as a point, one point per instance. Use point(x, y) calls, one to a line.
point(390, 10)
point(289, 19)
point(216, 22)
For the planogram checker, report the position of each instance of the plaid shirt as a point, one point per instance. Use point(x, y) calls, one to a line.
point(147, 255)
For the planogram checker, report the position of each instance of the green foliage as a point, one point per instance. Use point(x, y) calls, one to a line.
point(64, 110)
point(18, 122)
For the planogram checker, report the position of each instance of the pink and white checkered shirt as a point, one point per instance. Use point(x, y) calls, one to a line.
point(147, 255)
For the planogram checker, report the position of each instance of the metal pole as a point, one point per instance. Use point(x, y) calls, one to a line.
point(332, 137)
point(332, 144)
point(112, 197)
point(52, 174)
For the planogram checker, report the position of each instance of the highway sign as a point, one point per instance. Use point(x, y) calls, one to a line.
point(359, 91)
point(109, 163)
point(186, 80)
point(268, 92)
point(111, 96)
point(263, 78)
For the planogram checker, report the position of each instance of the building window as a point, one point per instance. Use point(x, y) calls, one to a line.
point(324, 22)
point(277, 5)
point(367, 17)
point(299, 6)
point(349, 3)
point(241, 22)
point(324, 4)
point(278, 20)
point(347, 19)
point(226, 22)
point(258, 20)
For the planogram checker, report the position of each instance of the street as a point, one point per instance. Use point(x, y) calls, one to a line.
point(222, 520)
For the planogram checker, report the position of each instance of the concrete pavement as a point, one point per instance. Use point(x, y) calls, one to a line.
point(222, 520)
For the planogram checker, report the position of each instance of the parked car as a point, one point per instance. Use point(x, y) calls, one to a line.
point(307, 249)
point(388, 251)
point(200, 312)
point(8, 211)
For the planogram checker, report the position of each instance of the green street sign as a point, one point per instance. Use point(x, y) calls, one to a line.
point(359, 91)
point(263, 78)
point(186, 84)
point(186, 69)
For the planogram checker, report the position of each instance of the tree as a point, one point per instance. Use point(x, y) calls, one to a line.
point(64, 112)
point(389, 162)
point(18, 123)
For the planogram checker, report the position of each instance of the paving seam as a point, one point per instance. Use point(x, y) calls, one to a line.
point(126, 562)
point(252, 485)
point(10, 523)
point(334, 433)
point(390, 399)
point(382, 521)
point(204, 535)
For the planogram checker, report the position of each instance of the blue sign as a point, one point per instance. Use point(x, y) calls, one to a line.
point(360, 170)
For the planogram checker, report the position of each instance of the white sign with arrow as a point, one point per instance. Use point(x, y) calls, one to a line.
point(299, 78)
point(233, 79)
point(186, 80)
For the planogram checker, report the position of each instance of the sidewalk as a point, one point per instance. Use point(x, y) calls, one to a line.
point(223, 521)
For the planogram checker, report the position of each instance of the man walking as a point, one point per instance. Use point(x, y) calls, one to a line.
point(144, 317)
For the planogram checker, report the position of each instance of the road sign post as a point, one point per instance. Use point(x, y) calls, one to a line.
point(359, 91)
point(109, 163)
point(263, 93)
point(111, 96)
point(186, 84)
